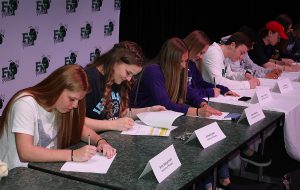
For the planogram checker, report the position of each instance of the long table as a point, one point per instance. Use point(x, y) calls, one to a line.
point(133, 153)
point(288, 103)
point(29, 179)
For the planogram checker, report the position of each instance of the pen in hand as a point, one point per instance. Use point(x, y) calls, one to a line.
point(208, 100)
point(130, 112)
point(254, 73)
point(215, 82)
point(89, 139)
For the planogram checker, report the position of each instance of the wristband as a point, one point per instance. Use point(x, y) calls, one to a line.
point(100, 140)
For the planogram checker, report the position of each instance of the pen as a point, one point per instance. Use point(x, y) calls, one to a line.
point(208, 100)
point(89, 139)
point(130, 112)
point(254, 73)
point(215, 82)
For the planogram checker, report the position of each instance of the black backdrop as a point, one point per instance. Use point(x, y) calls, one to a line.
point(151, 22)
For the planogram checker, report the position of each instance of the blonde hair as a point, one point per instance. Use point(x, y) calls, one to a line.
point(169, 59)
point(196, 42)
point(46, 93)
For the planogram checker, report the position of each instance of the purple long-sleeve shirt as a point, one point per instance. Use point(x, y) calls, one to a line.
point(203, 88)
point(152, 92)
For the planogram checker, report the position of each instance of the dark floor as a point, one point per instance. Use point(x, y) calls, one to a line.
point(281, 162)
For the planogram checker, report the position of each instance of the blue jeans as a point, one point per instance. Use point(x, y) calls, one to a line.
point(222, 172)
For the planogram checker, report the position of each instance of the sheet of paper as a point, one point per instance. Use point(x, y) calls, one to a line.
point(217, 117)
point(97, 164)
point(162, 119)
point(139, 128)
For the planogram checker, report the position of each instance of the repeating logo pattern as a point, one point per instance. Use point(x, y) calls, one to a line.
point(60, 34)
point(29, 37)
point(71, 59)
point(9, 7)
point(96, 5)
point(9, 72)
point(117, 5)
point(86, 31)
point(1, 36)
point(109, 28)
point(95, 54)
point(42, 7)
point(39, 35)
point(71, 6)
point(42, 66)
point(2, 99)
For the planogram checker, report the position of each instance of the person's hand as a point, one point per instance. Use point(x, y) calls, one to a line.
point(207, 111)
point(124, 123)
point(84, 153)
point(3, 169)
point(257, 81)
point(157, 108)
point(217, 92)
point(231, 93)
point(106, 149)
point(248, 76)
point(253, 83)
point(277, 72)
point(288, 62)
point(271, 76)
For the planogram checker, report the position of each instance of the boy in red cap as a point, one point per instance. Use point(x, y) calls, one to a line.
point(263, 52)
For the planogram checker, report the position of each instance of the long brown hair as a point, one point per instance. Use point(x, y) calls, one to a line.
point(196, 42)
point(124, 52)
point(46, 93)
point(169, 59)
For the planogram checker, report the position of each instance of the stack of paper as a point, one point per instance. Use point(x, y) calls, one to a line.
point(154, 123)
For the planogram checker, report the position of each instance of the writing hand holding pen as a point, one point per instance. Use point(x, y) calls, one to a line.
point(123, 123)
point(130, 112)
point(83, 154)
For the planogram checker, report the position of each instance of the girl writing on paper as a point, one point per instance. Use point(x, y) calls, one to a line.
point(41, 121)
point(164, 82)
point(110, 75)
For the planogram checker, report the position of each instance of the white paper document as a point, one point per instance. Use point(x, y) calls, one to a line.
point(139, 128)
point(218, 117)
point(97, 164)
point(162, 119)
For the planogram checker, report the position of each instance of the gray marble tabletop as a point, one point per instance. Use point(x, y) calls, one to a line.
point(133, 153)
point(29, 179)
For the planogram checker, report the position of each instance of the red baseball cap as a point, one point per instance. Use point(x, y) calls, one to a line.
point(277, 27)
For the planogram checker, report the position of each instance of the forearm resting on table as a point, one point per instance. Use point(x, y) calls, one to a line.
point(100, 125)
point(30, 153)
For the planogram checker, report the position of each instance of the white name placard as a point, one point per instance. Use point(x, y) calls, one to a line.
point(262, 96)
point(163, 164)
point(283, 85)
point(208, 135)
point(253, 114)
